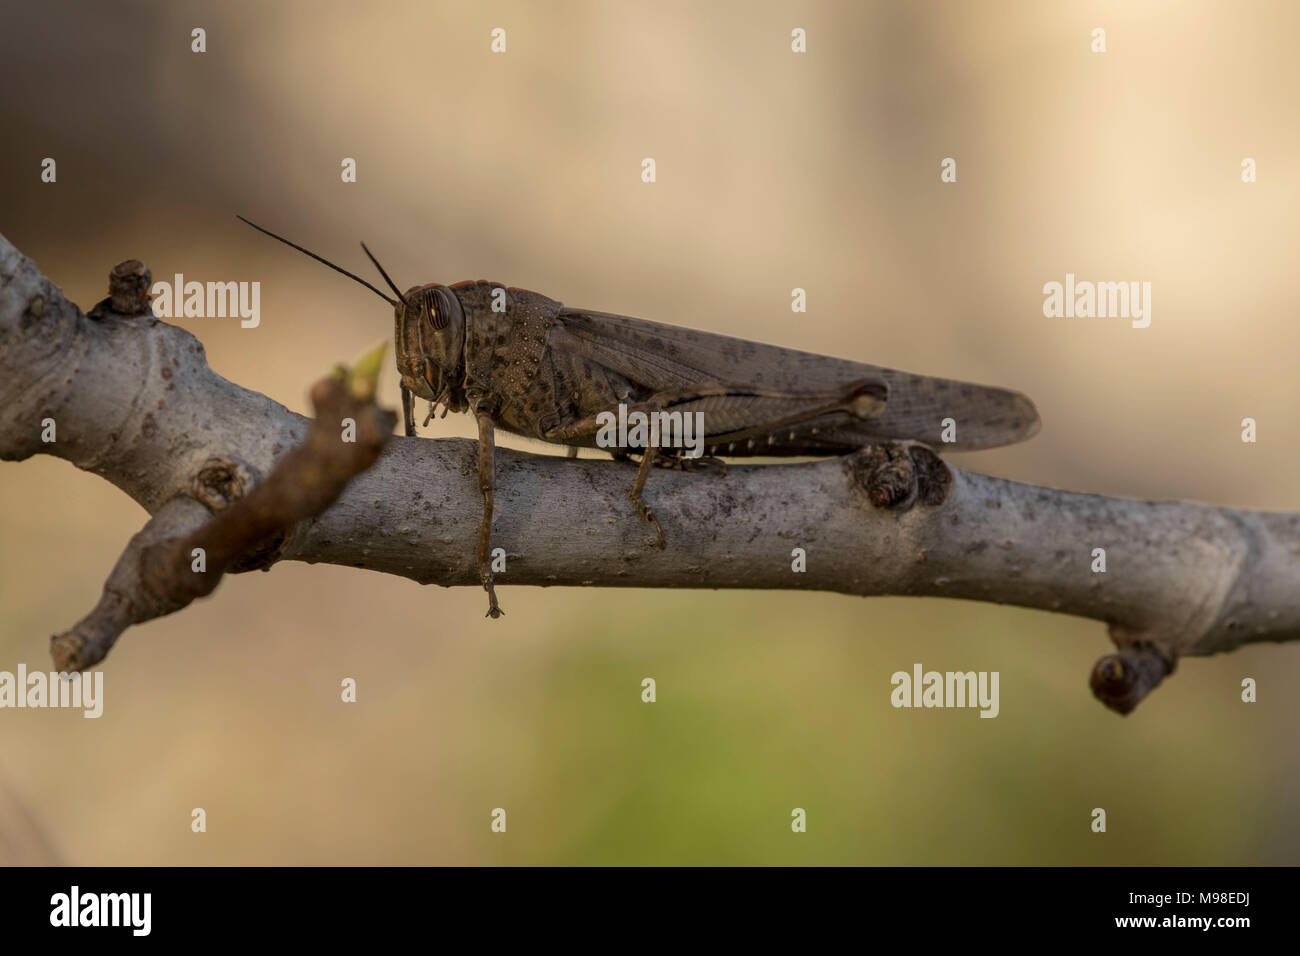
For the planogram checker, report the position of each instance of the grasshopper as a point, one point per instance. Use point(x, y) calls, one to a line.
point(525, 363)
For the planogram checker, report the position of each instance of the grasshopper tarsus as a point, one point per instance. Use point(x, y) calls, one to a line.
point(489, 584)
point(647, 514)
point(494, 610)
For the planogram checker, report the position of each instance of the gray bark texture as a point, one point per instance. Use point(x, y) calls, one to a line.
point(136, 403)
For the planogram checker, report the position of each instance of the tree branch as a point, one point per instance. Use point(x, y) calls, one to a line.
point(135, 402)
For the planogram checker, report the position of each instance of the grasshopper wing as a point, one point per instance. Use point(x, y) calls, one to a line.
point(670, 358)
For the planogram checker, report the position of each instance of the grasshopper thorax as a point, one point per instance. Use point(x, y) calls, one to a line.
point(430, 343)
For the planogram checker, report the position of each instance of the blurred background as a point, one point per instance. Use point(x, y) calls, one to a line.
point(775, 170)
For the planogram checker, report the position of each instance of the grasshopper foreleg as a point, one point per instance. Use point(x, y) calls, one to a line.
point(486, 487)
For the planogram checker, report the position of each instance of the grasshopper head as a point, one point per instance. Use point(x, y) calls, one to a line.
point(430, 339)
point(430, 331)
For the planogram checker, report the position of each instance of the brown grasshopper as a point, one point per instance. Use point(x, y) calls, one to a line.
point(530, 365)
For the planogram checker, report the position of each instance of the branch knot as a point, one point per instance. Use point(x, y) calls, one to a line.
point(900, 475)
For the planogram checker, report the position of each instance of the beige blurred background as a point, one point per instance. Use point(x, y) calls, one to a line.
point(775, 170)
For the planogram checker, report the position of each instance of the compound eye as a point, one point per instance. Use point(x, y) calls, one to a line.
point(431, 307)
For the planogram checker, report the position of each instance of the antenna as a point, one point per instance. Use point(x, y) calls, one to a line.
point(400, 298)
point(390, 282)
